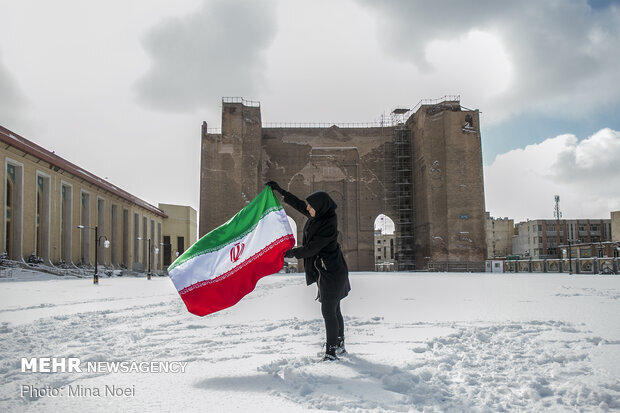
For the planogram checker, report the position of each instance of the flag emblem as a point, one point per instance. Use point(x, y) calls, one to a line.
point(236, 251)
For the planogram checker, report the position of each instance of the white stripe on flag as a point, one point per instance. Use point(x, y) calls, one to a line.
point(214, 264)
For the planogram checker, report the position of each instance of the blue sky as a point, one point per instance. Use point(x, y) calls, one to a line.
point(526, 129)
point(132, 82)
point(601, 4)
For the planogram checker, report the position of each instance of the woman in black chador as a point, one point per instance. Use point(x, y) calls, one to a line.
point(323, 261)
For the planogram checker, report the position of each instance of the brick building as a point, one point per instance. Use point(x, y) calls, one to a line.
point(422, 167)
point(499, 236)
point(541, 238)
point(385, 251)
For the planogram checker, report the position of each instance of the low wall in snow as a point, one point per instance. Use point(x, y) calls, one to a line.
point(572, 266)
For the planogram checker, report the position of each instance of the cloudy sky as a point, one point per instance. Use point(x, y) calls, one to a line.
point(121, 88)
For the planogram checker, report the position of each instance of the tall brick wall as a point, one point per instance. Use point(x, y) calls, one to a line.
point(344, 162)
point(354, 165)
point(448, 182)
point(230, 165)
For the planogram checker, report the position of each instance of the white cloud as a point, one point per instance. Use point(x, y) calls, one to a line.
point(216, 51)
point(334, 66)
point(12, 98)
point(484, 68)
point(521, 184)
point(73, 70)
point(563, 55)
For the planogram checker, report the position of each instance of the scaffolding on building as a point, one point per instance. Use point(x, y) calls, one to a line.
point(403, 196)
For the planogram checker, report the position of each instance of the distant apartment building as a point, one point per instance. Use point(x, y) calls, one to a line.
point(499, 236)
point(615, 226)
point(541, 238)
point(180, 231)
point(384, 252)
point(51, 208)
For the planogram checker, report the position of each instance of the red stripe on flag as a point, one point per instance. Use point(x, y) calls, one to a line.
point(209, 296)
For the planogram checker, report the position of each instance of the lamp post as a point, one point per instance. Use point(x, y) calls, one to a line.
point(570, 259)
point(106, 244)
point(156, 251)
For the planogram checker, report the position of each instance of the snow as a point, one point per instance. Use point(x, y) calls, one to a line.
point(417, 342)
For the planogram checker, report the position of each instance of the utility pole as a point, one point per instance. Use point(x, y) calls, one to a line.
point(557, 214)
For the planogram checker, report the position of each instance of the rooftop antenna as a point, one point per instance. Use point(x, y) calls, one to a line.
point(557, 215)
point(556, 212)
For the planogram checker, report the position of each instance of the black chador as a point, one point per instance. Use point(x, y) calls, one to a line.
point(323, 261)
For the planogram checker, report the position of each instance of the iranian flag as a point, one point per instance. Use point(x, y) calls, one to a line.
point(225, 265)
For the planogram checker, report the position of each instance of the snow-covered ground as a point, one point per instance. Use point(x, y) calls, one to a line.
point(417, 342)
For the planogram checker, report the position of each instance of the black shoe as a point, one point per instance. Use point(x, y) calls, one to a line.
point(340, 348)
point(330, 353)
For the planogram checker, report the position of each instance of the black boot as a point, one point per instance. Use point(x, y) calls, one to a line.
point(340, 348)
point(330, 353)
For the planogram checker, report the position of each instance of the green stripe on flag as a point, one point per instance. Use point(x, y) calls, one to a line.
point(244, 222)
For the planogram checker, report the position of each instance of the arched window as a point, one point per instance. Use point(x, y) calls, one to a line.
point(384, 224)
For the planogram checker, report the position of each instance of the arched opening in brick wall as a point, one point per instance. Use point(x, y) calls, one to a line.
point(384, 243)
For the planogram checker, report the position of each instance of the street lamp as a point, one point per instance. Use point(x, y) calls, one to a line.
point(156, 251)
point(106, 244)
